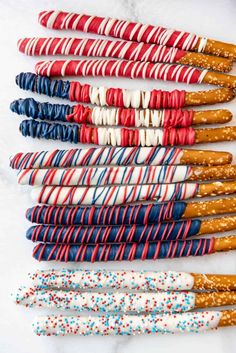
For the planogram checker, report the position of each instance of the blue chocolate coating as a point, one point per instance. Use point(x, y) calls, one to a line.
point(118, 252)
point(43, 85)
point(43, 111)
point(114, 234)
point(130, 214)
point(68, 133)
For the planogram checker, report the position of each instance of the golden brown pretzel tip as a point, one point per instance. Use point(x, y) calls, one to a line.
point(215, 225)
point(210, 208)
point(205, 157)
point(206, 61)
point(219, 116)
point(213, 173)
point(213, 96)
point(214, 282)
point(219, 79)
point(224, 243)
point(217, 188)
point(228, 318)
point(215, 299)
point(219, 172)
point(218, 48)
point(227, 133)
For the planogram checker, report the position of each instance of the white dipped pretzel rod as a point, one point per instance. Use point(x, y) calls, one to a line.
point(77, 279)
point(117, 156)
point(190, 322)
point(123, 175)
point(135, 31)
point(122, 194)
point(141, 302)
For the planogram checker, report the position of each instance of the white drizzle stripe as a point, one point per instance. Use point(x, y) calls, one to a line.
point(121, 68)
point(123, 29)
point(98, 47)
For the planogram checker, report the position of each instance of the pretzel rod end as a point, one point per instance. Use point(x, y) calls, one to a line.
point(224, 244)
point(228, 318)
point(219, 79)
point(214, 282)
point(206, 157)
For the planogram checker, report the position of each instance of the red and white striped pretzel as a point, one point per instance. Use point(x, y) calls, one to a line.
point(135, 31)
point(120, 49)
point(133, 69)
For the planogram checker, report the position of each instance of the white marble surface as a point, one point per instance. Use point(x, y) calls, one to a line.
point(18, 18)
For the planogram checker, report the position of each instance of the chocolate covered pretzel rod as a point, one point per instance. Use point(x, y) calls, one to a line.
point(123, 194)
point(121, 50)
point(117, 156)
point(193, 322)
point(133, 69)
point(130, 214)
point(159, 302)
point(79, 279)
point(132, 251)
point(129, 117)
point(104, 136)
point(132, 175)
point(135, 31)
point(129, 233)
point(118, 97)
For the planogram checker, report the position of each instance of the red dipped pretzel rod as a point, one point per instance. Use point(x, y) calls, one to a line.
point(120, 49)
point(133, 69)
point(135, 31)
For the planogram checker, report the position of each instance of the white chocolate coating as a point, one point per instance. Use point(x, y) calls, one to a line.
point(192, 322)
point(112, 195)
point(105, 175)
point(159, 302)
point(99, 156)
point(99, 279)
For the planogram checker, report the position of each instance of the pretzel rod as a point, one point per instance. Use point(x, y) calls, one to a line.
point(130, 214)
point(129, 117)
point(133, 69)
point(104, 136)
point(79, 279)
point(123, 175)
point(132, 251)
point(123, 194)
point(159, 302)
point(129, 233)
point(119, 97)
point(120, 49)
point(111, 324)
point(117, 156)
point(135, 31)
